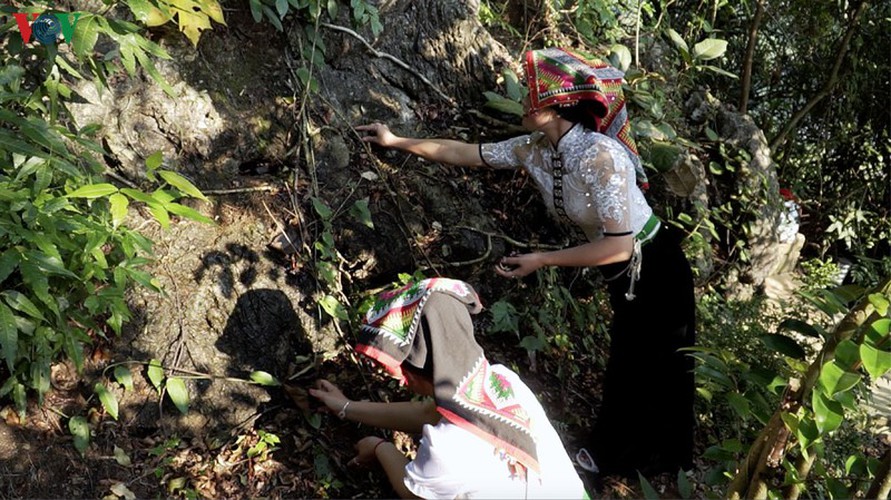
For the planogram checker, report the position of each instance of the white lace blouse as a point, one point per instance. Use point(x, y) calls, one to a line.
point(591, 171)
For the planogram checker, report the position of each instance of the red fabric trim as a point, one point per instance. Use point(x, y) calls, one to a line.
point(520, 455)
point(389, 362)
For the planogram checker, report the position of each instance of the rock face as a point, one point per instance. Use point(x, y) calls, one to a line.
point(230, 306)
point(756, 185)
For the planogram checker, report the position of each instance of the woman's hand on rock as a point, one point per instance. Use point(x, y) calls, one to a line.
point(330, 395)
point(378, 133)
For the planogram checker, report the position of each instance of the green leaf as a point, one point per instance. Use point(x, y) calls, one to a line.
point(783, 345)
point(834, 379)
point(711, 48)
point(124, 377)
point(360, 212)
point(154, 161)
point(119, 204)
point(880, 302)
point(86, 34)
point(121, 457)
point(800, 327)
point(322, 209)
point(515, 91)
point(739, 404)
point(532, 343)
point(648, 491)
point(504, 317)
point(176, 389)
point(270, 14)
point(333, 307)
point(9, 261)
point(9, 337)
point(828, 414)
point(109, 402)
point(81, 431)
point(620, 57)
point(93, 191)
point(156, 374)
point(502, 104)
point(847, 355)
point(281, 6)
point(264, 378)
point(256, 10)
point(879, 330)
point(21, 303)
point(876, 362)
point(182, 184)
point(188, 212)
point(685, 488)
point(678, 41)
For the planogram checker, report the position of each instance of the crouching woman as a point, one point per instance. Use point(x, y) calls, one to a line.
point(483, 435)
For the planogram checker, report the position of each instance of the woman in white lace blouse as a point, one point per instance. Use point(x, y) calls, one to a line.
point(581, 156)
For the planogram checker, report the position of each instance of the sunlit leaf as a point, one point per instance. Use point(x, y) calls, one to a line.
point(109, 402)
point(93, 191)
point(876, 362)
point(264, 378)
point(828, 414)
point(333, 307)
point(678, 41)
point(834, 379)
point(124, 377)
point(119, 204)
point(179, 394)
point(709, 49)
point(880, 302)
point(156, 373)
point(182, 184)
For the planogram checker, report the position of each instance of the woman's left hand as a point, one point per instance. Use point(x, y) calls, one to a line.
point(365, 448)
point(519, 265)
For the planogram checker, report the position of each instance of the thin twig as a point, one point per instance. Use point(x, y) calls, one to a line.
point(512, 241)
point(120, 178)
point(251, 189)
point(393, 59)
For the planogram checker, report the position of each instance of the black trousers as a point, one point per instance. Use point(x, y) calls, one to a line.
point(646, 419)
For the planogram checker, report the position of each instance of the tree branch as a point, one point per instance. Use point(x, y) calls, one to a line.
point(750, 55)
point(830, 84)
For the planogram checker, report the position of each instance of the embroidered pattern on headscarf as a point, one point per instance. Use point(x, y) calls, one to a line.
point(560, 77)
point(396, 314)
point(486, 390)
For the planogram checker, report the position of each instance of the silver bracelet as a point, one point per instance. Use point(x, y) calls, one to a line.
point(342, 412)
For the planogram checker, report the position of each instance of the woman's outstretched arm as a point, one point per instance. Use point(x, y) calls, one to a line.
point(597, 253)
point(449, 151)
point(405, 416)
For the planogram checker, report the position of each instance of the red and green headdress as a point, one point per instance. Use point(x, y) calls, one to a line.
point(561, 77)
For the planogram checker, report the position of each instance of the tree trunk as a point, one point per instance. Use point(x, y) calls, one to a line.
point(830, 84)
point(881, 487)
point(750, 55)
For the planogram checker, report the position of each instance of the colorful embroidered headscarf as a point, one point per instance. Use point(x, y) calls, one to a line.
point(560, 77)
point(429, 322)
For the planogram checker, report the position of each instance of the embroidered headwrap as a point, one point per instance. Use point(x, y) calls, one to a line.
point(560, 77)
point(427, 325)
